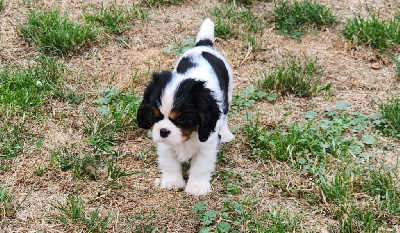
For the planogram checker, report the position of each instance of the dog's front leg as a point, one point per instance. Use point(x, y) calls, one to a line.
point(170, 167)
point(201, 168)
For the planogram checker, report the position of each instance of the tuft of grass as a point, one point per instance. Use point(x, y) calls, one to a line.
point(8, 207)
point(115, 172)
point(158, 3)
point(73, 213)
point(297, 17)
point(296, 76)
point(1, 5)
point(379, 34)
point(358, 219)
point(390, 111)
point(232, 22)
point(179, 48)
point(54, 33)
point(117, 113)
point(116, 19)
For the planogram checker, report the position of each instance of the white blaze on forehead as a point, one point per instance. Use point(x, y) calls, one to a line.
point(167, 99)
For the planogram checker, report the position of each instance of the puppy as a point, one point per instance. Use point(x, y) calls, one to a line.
point(188, 110)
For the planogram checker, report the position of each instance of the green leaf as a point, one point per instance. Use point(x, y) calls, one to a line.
point(310, 115)
point(223, 227)
point(207, 218)
point(272, 97)
point(104, 110)
point(368, 139)
point(205, 229)
point(342, 105)
point(202, 206)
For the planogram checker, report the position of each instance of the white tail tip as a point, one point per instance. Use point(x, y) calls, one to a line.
point(206, 31)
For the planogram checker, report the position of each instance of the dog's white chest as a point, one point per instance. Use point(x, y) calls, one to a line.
point(185, 151)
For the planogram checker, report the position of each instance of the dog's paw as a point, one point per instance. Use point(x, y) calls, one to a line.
point(174, 184)
point(198, 188)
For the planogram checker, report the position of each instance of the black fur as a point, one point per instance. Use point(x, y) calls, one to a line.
point(198, 107)
point(222, 73)
point(151, 99)
point(184, 65)
point(204, 42)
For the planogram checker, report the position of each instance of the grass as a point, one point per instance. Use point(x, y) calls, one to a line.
point(390, 110)
point(116, 19)
point(298, 17)
point(24, 94)
point(232, 22)
point(298, 76)
point(117, 111)
point(371, 31)
point(159, 3)
point(242, 215)
point(55, 34)
point(1, 5)
point(8, 205)
point(72, 214)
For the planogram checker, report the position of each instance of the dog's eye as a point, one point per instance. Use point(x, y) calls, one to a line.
point(181, 119)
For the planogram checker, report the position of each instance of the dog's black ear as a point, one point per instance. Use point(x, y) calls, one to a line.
point(208, 112)
point(148, 112)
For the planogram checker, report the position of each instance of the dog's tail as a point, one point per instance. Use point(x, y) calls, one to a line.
point(205, 36)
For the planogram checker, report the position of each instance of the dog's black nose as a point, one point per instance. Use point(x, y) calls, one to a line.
point(164, 132)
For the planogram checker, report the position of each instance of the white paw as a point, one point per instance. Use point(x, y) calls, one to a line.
point(226, 136)
point(174, 184)
point(198, 188)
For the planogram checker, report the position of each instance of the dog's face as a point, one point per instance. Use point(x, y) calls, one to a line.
point(177, 109)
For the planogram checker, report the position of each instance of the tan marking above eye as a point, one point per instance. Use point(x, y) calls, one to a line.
point(174, 114)
point(156, 111)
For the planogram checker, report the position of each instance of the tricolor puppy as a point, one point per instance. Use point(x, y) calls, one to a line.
point(187, 109)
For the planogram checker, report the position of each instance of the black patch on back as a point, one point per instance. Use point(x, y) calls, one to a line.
point(184, 65)
point(204, 42)
point(222, 73)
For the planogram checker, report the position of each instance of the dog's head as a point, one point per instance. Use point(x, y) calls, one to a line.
point(176, 109)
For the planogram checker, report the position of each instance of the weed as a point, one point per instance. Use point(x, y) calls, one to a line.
point(241, 215)
point(300, 143)
point(247, 98)
point(294, 19)
point(382, 35)
point(53, 33)
point(73, 212)
point(232, 181)
point(294, 76)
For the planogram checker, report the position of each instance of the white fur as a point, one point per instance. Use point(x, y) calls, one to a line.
point(172, 150)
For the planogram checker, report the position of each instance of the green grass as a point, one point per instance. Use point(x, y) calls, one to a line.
point(117, 111)
point(116, 19)
point(298, 76)
point(298, 17)
point(8, 205)
point(242, 215)
point(390, 111)
point(55, 34)
point(24, 94)
point(300, 142)
point(231, 22)
point(73, 214)
point(371, 31)
point(1, 5)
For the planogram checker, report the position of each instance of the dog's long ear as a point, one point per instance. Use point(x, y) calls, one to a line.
point(208, 113)
point(148, 112)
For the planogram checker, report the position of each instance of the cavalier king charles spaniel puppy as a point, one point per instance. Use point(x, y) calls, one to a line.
point(188, 109)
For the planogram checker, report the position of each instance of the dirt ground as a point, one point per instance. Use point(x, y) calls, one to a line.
point(346, 66)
